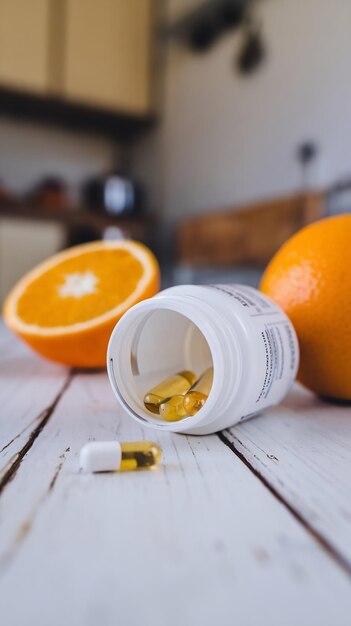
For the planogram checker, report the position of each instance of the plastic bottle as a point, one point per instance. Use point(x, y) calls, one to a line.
point(241, 333)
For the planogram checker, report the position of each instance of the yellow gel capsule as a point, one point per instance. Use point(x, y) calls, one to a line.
point(139, 454)
point(173, 409)
point(115, 456)
point(175, 385)
point(195, 399)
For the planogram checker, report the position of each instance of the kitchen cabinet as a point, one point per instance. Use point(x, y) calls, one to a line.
point(24, 44)
point(108, 53)
point(23, 244)
point(81, 52)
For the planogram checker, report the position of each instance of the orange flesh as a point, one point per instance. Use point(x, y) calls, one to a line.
point(117, 274)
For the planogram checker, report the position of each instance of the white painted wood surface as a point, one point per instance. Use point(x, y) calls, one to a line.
point(202, 540)
point(28, 388)
point(303, 450)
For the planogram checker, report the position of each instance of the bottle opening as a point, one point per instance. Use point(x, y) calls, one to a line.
point(156, 357)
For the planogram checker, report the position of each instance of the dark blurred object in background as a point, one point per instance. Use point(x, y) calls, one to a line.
point(252, 52)
point(116, 194)
point(6, 197)
point(50, 193)
point(203, 26)
point(231, 14)
point(203, 35)
point(306, 154)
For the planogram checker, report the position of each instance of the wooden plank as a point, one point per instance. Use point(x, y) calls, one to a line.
point(72, 216)
point(303, 450)
point(198, 541)
point(246, 235)
point(29, 386)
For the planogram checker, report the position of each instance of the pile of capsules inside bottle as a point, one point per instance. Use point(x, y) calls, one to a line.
point(179, 396)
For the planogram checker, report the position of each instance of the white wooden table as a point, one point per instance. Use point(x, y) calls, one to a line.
point(247, 527)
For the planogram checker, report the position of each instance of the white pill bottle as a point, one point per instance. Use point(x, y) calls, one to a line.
point(246, 338)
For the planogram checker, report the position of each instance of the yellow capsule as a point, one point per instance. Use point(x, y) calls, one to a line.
point(195, 399)
point(173, 409)
point(175, 385)
point(139, 454)
point(114, 456)
point(193, 402)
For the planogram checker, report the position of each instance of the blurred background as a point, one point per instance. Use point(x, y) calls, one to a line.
point(211, 130)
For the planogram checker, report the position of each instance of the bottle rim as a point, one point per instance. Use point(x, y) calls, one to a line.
point(225, 352)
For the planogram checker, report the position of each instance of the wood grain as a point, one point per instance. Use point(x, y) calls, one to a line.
point(303, 450)
point(29, 386)
point(199, 541)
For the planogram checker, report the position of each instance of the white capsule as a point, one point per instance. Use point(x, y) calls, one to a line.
point(113, 456)
point(101, 456)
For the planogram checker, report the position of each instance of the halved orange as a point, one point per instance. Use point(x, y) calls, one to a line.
point(67, 307)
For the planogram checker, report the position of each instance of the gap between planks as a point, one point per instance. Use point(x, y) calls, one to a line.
point(319, 537)
point(45, 415)
point(10, 472)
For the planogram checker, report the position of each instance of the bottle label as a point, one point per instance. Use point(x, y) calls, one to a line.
point(276, 337)
point(249, 298)
point(277, 350)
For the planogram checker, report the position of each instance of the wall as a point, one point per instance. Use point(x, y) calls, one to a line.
point(30, 151)
point(225, 139)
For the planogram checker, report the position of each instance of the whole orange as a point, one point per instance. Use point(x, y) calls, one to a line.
point(310, 278)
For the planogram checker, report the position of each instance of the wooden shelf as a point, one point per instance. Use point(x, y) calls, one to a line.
point(76, 217)
point(74, 116)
